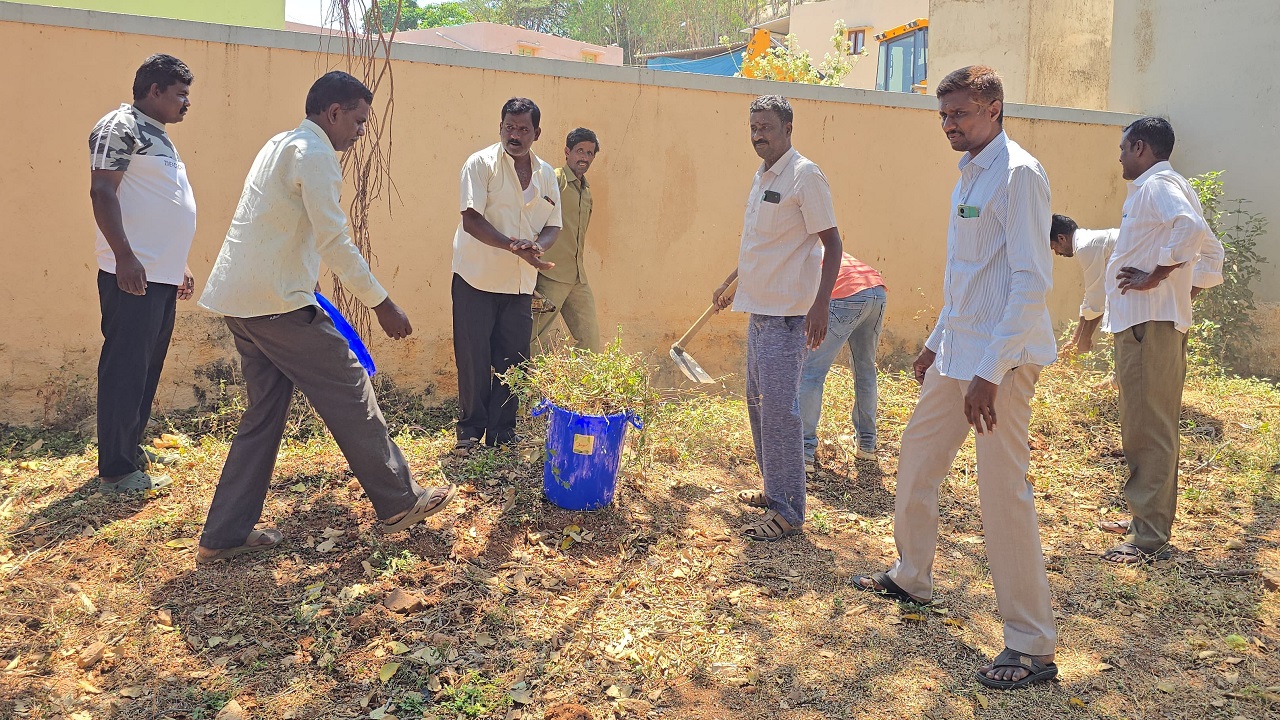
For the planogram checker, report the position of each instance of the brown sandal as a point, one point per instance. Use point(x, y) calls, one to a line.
point(754, 498)
point(1119, 527)
point(429, 503)
point(769, 528)
point(249, 546)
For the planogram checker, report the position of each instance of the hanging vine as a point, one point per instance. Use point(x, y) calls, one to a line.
point(366, 54)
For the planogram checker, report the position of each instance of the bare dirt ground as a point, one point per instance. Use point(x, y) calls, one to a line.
point(507, 607)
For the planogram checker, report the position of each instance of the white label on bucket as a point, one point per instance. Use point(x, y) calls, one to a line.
point(584, 444)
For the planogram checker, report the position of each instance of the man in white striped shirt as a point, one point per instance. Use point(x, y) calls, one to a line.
point(1092, 249)
point(980, 364)
point(1165, 255)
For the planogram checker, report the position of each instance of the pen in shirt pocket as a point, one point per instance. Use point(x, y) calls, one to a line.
point(553, 202)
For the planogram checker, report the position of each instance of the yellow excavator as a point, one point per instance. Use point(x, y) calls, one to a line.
point(904, 54)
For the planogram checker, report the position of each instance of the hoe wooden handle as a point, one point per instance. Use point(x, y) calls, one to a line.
point(733, 286)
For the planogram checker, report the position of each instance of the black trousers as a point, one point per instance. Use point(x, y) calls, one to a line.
point(136, 330)
point(490, 335)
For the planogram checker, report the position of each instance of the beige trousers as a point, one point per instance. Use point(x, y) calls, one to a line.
point(573, 302)
point(1151, 369)
point(930, 442)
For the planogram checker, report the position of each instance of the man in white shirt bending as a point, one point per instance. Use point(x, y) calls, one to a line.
point(289, 220)
point(1092, 249)
point(510, 205)
point(146, 219)
point(978, 370)
point(1165, 255)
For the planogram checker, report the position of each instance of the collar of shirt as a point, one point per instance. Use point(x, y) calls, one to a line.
point(317, 131)
point(988, 154)
point(144, 116)
point(1162, 166)
point(574, 179)
point(779, 165)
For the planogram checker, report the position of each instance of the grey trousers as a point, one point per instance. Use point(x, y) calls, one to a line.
point(303, 349)
point(1151, 368)
point(775, 354)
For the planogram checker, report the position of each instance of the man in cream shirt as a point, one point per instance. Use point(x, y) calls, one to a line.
point(289, 220)
point(1165, 255)
point(788, 261)
point(1091, 249)
point(510, 205)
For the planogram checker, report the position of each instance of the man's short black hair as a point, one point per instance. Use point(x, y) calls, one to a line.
point(520, 106)
point(1156, 132)
point(775, 104)
point(578, 135)
point(336, 87)
point(1062, 225)
point(162, 70)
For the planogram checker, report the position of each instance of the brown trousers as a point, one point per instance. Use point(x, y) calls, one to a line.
point(303, 349)
point(1151, 368)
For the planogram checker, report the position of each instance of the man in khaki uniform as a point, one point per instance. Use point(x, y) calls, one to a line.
point(564, 287)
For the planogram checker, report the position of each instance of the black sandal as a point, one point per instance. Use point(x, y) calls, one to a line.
point(1037, 672)
point(1126, 553)
point(887, 587)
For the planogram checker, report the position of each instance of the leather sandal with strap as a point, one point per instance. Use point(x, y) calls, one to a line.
point(1119, 527)
point(251, 544)
point(881, 584)
point(1126, 553)
point(769, 528)
point(754, 498)
point(1037, 672)
point(429, 503)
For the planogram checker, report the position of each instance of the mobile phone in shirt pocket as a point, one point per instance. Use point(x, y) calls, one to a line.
point(976, 237)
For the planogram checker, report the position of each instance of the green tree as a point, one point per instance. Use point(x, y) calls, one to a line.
point(415, 17)
point(546, 16)
point(791, 64)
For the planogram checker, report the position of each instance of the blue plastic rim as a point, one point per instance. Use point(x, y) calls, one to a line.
point(583, 455)
point(348, 332)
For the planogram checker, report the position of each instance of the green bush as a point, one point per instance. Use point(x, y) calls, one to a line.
point(585, 382)
point(1225, 331)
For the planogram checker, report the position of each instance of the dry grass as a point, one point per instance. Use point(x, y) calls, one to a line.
point(659, 613)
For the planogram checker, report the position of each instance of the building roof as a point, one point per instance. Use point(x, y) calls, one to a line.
point(694, 53)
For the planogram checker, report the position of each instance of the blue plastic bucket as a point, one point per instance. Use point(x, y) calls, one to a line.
point(583, 454)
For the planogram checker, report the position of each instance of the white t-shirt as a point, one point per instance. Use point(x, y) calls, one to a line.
point(157, 206)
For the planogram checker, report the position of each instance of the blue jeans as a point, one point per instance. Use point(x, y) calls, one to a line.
point(856, 321)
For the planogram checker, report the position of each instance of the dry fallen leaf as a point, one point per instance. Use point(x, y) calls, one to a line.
point(982, 700)
point(398, 648)
point(89, 687)
point(133, 691)
point(522, 696)
point(387, 671)
point(1076, 703)
point(327, 546)
point(181, 543)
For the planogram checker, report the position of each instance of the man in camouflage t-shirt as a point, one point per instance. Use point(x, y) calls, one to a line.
point(146, 218)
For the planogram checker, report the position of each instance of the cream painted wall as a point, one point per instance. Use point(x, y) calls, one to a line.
point(813, 22)
point(670, 186)
point(249, 13)
point(1207, 66)
point(1050, 52)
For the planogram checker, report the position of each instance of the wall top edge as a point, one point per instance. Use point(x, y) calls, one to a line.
point(307, 42)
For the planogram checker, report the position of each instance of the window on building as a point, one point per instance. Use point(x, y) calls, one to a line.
point(526, 51)
point(857, 38)
point(590, 57)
